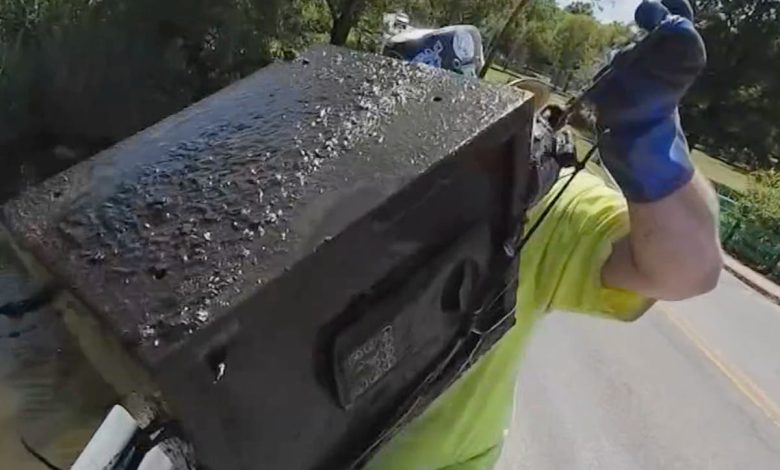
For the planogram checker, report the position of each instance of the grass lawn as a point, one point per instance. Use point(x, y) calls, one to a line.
point(498, 75)
point(717, 171)
point(720, 172)
point(583, 147)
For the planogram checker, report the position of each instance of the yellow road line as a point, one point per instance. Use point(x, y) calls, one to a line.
point(743, 383)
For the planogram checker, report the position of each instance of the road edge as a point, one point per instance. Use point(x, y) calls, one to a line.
point(754, 280)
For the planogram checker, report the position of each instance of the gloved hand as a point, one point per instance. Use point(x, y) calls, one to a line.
point(637, 99)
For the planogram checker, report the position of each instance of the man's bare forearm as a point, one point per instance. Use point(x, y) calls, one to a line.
point(673, 251)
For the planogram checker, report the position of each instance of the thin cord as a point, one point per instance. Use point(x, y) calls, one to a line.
point(577, 169)
point(430, 378)
point(19, 308)
point(38, 456)
point(411, 407)
point(580, 166)
point(517, 249)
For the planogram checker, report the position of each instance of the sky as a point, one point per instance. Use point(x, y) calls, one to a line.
point(613, 10)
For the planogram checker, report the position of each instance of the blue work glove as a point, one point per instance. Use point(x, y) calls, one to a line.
point(636, 98)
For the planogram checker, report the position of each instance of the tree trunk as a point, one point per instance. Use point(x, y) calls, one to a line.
point(568, 81)
point(345, 14)
point(491, 55)
point(342, 25)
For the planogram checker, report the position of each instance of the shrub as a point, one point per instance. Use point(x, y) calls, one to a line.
point(100, 70)
point(760, 205)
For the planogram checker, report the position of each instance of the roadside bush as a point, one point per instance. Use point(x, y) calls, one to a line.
point(96, 71)
point(760, 205)
point(751, 224)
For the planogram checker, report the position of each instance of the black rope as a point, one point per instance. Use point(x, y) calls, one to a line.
point(516, 249)
point(143, 441)
point(19, 308)
point(408, 409)
point(19, 333)
point(415, 397)
point(40, 458)
point(577, 169)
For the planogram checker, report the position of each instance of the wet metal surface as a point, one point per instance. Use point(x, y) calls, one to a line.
point(168, 229)
point(248, 247)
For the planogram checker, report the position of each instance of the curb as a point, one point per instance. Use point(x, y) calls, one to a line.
point(738, 270)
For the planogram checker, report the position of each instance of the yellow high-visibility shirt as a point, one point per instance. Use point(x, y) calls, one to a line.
point(560, 269)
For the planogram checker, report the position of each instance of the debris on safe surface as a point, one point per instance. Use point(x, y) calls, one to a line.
point(220, 372)
point(218, 187)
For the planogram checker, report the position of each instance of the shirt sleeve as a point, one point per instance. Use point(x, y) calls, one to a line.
point(560, 268)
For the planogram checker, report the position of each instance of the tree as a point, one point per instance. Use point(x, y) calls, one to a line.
point(732, 109)
point(760, 204)
point(484, 14)
point(580, 8)
point(518, 8)
point(576, 45)
point(557, 43)
point(87, 73)
point(345, 14)
point(534, 38)
point(480, 13)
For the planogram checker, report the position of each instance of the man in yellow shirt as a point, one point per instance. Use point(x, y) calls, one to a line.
point(597, 251)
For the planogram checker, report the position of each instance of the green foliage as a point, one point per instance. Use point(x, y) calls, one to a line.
point(92, 72)
point(750, 223)
point(363, 18)
point(533, 41)
point(732, 109)
point(99, 70)
point(21, 21)
point(576, 44)
point(760, 205)
point(485, 14)
point(15, 94)
point(564, 45)
point(344, 15)
point(580, 8)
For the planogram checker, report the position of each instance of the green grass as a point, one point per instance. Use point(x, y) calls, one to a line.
point(715, 170)
point(720, 172)
point(498, 75)
point(583, 147)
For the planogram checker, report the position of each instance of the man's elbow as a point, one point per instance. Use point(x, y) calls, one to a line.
point(695, 276)
point(708, 277)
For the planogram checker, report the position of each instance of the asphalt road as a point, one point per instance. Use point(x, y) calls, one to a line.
point(691, 385)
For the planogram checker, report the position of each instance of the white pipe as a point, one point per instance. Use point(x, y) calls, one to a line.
point(109, 440)
point(156, 459)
